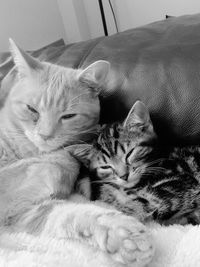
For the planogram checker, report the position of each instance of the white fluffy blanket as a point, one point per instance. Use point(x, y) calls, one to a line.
point(176, 246)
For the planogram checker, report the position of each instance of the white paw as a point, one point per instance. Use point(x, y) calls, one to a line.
point(124, 238)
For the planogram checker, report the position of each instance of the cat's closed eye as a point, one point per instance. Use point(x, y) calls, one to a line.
point(106, 167)
point(105, 171)
point(68, 116)
point(129, 156)
point(31, 109)
point(33, 112)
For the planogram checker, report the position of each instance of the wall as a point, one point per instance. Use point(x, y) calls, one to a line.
point(139, 12)
point(74, 19)
point(31, 23)
point(35, 23)
point(134, 13)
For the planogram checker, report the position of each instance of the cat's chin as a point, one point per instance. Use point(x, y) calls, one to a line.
point(44, 147)
point(41, 145)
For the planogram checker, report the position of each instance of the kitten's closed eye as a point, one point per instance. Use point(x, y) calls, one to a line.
point(68, 116)
point(105, 171)
point(106, 167)
point(129, 156)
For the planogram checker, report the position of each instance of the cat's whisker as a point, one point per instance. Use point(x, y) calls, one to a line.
point(77, 97)
point(155, 161)
point(154, 170)
point(91, 130)
point(76, 104)
point(158, 169)
point(19, 133)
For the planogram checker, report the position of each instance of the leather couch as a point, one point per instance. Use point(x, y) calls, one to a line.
point(158, 63)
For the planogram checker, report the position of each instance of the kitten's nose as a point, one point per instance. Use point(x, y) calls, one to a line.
point(124, 177)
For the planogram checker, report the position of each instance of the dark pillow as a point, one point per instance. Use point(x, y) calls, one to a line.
point(159, 64)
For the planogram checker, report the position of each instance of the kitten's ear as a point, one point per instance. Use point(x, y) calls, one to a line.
point(83, 153)
point(95, 74)
point(24, 62)
point(138, 114)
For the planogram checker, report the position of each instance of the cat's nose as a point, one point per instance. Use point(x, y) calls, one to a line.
point(44, 136)
point(124, 177)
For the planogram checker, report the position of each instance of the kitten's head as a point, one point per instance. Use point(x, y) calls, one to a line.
point(55, 106)
point(122, 150)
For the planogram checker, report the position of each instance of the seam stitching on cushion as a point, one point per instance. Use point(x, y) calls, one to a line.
point(89, 51)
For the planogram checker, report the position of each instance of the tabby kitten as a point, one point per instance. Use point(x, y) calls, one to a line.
point(49, 109)
point(132, 171)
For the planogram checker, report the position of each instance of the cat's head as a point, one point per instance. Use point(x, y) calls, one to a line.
point(121, 153)
point(53, 105)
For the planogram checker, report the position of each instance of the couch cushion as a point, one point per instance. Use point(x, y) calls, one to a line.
point(159, 64)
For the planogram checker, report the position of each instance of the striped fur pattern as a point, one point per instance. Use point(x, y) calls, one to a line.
point(132, 171)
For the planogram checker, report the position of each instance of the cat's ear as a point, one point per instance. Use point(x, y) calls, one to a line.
point(83, 153)
point(95, 74)
point(24, 62)
point(138, 114)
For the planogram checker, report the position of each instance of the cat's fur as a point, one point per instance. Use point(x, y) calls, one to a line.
point(132, 171)
point(48, 110)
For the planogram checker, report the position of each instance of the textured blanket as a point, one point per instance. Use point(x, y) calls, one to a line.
point(176, 246)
